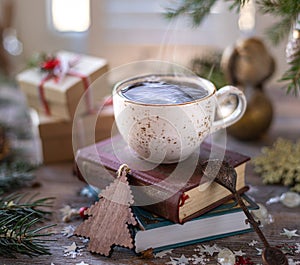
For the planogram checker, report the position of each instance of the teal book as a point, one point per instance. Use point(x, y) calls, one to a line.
point(158, 234)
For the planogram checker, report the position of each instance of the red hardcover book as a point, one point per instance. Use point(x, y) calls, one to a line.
point(177, 192)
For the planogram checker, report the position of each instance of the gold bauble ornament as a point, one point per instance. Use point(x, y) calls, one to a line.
point(248, 64)
point(256, 120)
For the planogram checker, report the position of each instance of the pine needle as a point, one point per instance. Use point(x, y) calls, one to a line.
point(20, 232)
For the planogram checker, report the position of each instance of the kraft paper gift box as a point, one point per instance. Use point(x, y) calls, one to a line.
point(91, 128)
point(56, 134)
point(56, 139)
point(60, 97)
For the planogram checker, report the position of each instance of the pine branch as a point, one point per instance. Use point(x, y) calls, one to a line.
point(286, 10)
point(22, 238)
point(292, 75)
point(13, 205)
point(279, 7)
point(19, 231)
point(196, 9)
point(237, 4)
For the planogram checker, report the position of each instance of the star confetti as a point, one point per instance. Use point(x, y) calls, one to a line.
point(210, 249)
point(289, 233)
point(172, 262)
point(163, 253)
point(178, 261)
point(259, 251)
point(199, 259)
point(73, 247)
point(183, 260)
point(68, 213)
point(73, 251)
point(252, 243)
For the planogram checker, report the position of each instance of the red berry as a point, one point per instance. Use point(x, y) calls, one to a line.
point(81, 212)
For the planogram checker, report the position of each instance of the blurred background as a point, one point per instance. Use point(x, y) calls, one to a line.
point(126, 30)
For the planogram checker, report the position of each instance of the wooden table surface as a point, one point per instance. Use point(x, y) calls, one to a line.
point(57, 180)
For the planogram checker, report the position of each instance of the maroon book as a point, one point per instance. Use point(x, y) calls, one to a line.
point(177, 192)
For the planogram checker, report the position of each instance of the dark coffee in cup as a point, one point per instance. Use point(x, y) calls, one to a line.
point(160, 92)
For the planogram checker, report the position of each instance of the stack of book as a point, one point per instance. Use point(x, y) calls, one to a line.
point(171, 209)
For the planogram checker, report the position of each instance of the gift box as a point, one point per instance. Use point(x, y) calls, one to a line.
point(56, 134)
point(56, 139)
point(58, 92)
point(91, 128)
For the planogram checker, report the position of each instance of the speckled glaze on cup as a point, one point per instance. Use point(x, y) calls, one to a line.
point(169, 133)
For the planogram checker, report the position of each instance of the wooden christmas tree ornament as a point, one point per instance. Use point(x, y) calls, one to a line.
point(108, 219)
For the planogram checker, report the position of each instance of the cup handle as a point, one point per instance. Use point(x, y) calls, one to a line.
point(238, 112)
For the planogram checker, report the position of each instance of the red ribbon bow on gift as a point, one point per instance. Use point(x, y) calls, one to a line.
point(50, 64)
point(58, 68)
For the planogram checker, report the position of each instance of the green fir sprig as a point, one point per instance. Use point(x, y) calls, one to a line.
point(197, 10)
point(292, 76)
point(20, 229)
point(286, 11)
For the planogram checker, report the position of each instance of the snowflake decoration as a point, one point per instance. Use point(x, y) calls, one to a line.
point(279, 164)
point(253, 243)
point(199, 259)
point(68, 231)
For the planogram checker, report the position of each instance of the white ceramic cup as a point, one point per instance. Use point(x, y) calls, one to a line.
point(169, 133)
